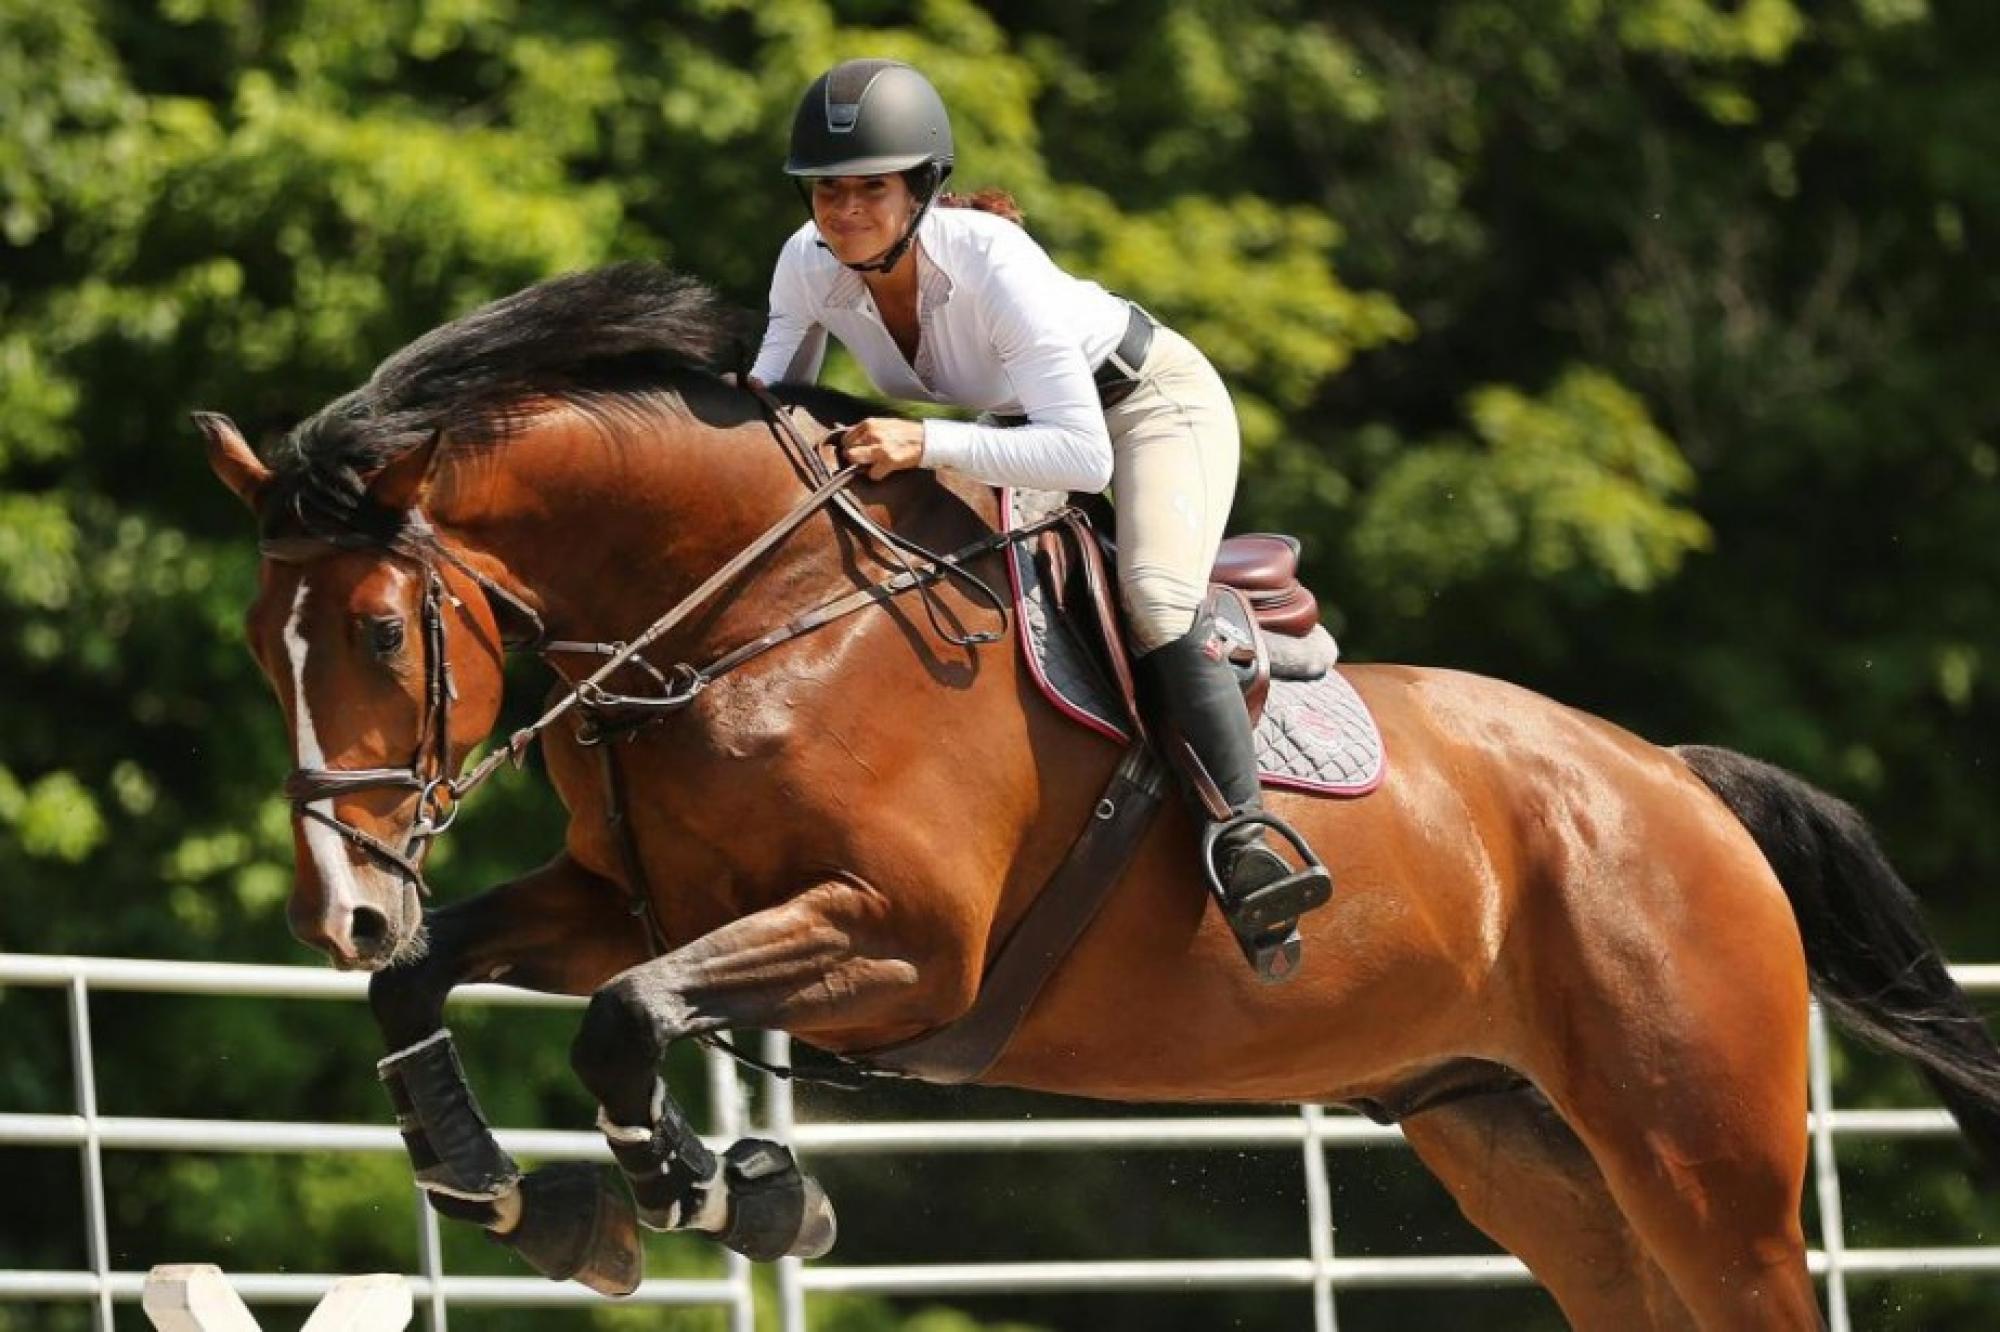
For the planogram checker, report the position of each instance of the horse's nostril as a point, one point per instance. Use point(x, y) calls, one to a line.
point(371, 930)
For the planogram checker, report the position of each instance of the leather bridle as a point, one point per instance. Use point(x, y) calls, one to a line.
point(429, 772)
point(440, 791)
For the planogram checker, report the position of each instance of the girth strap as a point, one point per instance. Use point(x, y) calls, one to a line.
point(964, 1049)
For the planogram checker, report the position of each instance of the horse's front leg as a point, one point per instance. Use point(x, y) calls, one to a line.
point(822, 960)
point(561, 930)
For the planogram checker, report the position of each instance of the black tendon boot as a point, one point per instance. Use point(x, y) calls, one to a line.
point(1261, 895)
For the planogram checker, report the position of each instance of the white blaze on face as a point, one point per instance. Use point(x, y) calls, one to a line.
point(328, 850)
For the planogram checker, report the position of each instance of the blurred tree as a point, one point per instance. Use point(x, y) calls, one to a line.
point(1637, 351)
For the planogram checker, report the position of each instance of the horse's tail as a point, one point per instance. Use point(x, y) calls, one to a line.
point(1871, 961)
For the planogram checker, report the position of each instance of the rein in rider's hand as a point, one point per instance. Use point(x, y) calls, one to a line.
point(884, 445)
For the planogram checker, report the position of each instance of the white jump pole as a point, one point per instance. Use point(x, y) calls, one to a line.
point(378, 1302)
point(197, 1297)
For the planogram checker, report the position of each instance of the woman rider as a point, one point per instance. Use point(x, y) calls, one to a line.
point(960, 306)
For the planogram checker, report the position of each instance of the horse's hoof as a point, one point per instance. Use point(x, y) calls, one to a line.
point(776, 1210)
point(817, 1227)
point(578, 1224)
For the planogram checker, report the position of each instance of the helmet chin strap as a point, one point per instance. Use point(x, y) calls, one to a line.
point(892, 256)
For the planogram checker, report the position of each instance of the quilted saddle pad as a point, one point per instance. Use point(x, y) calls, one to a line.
point(1315, 735)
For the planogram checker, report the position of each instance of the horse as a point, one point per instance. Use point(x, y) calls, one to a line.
point(1572, 964)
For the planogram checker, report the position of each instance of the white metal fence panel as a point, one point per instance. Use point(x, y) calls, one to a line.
point(1320, 1271)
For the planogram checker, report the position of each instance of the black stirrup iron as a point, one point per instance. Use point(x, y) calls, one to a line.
point(1265, 918)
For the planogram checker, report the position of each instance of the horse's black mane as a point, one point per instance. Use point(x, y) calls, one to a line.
point(586, 337)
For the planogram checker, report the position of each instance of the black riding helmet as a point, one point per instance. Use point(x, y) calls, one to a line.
point(873, 118)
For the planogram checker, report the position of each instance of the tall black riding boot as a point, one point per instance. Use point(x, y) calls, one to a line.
point(1199, 696)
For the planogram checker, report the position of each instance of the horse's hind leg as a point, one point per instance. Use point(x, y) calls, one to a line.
point(1520, 1175)
point(1708, 1163)
point(1682, 1067)
point(561, 930)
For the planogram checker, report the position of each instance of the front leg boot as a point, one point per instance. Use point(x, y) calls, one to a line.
point(776, 1210)
point(451, 1147)
point(672, 1172)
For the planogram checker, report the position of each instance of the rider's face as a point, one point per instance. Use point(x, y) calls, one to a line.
point(861, 216)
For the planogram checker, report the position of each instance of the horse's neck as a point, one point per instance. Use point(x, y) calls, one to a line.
point(603, 527)
point(608, 528)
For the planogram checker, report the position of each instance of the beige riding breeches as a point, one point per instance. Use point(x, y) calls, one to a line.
point(1175, 446)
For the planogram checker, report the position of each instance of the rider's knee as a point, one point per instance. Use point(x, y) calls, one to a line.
point(1159, 606)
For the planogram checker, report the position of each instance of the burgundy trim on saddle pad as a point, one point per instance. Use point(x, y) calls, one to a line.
point(1364, 744)
point(1316, 736)
point(1019, 573)
point(1317, 788)
point(1025, 636)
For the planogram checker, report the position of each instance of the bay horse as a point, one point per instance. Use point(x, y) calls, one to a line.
point(1573, 964)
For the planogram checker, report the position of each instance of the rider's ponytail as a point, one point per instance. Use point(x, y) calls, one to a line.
point(998, 202)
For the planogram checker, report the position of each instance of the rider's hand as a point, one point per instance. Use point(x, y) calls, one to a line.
point(884, 445)
point(743, 381)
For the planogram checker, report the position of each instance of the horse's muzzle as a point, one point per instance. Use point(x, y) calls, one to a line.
point(364, 935)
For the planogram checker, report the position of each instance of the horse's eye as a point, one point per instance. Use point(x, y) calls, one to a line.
point(385, 635)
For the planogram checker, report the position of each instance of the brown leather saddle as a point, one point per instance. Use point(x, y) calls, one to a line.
point(1262, 612)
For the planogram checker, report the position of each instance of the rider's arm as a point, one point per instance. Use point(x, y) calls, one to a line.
point(794, 341)
point(1064, 445)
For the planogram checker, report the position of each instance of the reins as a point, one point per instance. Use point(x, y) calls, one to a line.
point(589, 693)
point(439, 794)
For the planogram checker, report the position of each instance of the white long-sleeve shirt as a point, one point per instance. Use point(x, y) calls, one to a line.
point(1002, 330)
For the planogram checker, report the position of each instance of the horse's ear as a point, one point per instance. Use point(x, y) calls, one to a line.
point(231, 459)
point(401, 483)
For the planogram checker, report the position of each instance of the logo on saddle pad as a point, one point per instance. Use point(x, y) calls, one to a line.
point(1319, 726)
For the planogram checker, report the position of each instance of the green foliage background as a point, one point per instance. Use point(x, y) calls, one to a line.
point(1639, 350)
